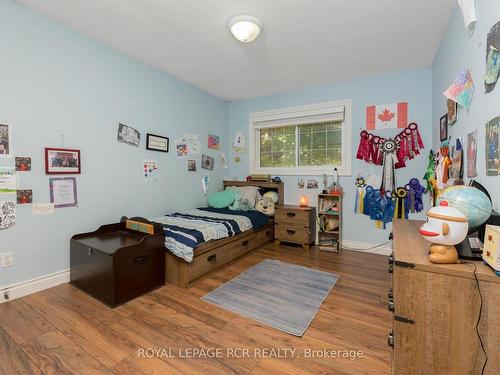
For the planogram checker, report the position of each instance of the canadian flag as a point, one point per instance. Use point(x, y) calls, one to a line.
point(388, 116)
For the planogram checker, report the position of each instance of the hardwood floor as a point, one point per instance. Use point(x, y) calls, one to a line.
point(63, 330)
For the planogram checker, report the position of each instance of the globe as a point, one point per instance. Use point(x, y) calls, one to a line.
point(474, 204)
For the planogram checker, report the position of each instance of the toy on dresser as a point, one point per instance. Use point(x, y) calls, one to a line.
point(491, 250)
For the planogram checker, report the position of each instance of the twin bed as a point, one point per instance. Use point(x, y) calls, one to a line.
point(199, 241)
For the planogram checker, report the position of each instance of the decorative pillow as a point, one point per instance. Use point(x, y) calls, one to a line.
point(221, 199)
point(265, 205)
point(271, 195)
point(251, 193)
point(240, 203)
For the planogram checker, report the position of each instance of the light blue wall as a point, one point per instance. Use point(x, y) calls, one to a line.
point(54, 81)
point(411, 86)
point(458, 50)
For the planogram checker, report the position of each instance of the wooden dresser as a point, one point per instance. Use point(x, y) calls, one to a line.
point(295, 224)
point(436, 309)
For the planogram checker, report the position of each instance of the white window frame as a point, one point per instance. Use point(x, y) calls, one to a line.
point(327, 111)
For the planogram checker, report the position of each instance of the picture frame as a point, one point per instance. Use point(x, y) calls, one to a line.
point(63, 192)
point(443, 128)
point(5, 141)
point(452, 111)
point(157, 142)
point(62, 161)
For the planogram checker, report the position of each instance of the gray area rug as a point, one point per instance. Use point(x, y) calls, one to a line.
point(281, 295)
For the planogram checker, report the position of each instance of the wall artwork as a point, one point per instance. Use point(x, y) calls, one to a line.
point(236, 159)
point(239, 145)
point(24, 196)
point(312, 184)
point(492, 58)
point(300, 183)
point(205, 180)
point(129, 135)
point(8, 181)
point(42, 209)
point(456, 170)
point(462, 89)
point(156, 142)
point(223, 160)
point(181, 148)
point(62, 161)
point(471, 154)
point(213, 142)
point(193, 144)
point(452, 111)
point(443, 128)
point(150, 171)
point(207, 162)
point(387, 116)
point(5, 141)
point(493, 147)
point(7, 214)
point(63, 192)
point(191, 165)
point(23, 163)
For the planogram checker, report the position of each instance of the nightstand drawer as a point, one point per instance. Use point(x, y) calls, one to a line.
point(292, 234)
point(292, 217)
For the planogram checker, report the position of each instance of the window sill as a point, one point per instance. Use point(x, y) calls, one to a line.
point(319, 171)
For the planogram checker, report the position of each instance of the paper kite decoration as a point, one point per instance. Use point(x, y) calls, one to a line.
point(462, 89)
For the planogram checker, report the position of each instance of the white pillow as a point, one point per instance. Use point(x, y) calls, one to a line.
point(249, 192)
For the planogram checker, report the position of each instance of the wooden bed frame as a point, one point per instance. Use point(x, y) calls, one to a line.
point(214, 254)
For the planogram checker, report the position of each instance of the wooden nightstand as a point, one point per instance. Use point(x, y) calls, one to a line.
point(295, 224)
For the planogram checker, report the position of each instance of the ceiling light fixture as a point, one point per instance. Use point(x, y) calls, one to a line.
point(245, 28)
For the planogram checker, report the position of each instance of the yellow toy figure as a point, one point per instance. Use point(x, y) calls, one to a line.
point(446, 226)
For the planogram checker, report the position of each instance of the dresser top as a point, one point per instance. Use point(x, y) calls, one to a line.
point(292, 207)
point(410, 247)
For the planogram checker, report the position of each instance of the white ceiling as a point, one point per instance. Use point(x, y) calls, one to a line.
point(304, 42)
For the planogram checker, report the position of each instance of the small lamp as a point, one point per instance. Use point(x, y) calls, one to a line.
point(303, 201)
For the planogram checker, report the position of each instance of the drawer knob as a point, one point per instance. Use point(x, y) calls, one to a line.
point(390, 339)
point(290, 232)
point(290, 214)
point(212, 258)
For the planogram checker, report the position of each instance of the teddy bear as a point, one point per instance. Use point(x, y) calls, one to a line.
point(265, 205)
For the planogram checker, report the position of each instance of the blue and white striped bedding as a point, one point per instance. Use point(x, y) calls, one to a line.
point(185, 230)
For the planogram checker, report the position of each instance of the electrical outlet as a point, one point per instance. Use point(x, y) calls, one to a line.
point(6, 259)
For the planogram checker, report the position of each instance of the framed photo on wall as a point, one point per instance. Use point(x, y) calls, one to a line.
point(5, 141)
point(452, 111)
point(157, 142)
point(62, 161)
point(443, 128)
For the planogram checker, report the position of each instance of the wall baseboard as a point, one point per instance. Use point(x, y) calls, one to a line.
point(368, 247)
point(34, 285)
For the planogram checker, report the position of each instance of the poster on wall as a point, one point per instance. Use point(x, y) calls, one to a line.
point(213, 142)
point(42, 209)
point(63, 192)
point(387, 116)
point(207, 162)
point(7, 214)
point(129, 135)
point(23, 163)
point(24, 196)
point(5, 141)
point(492, 58)
point(150, 171)
point(223, 160)
point(456, 170)
point(452, 111)
point(8, 181)
point(461, 90)
point(193, 144)
point(493, 147)
point(181, 148)
point(191, 165)
point(471, 154)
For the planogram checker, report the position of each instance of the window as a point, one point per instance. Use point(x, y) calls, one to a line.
point(306, 140)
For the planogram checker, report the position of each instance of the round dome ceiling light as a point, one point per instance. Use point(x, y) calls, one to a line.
point(245, 28)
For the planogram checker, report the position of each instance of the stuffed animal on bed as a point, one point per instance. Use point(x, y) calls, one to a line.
point(265, 205)
point(240, 203)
